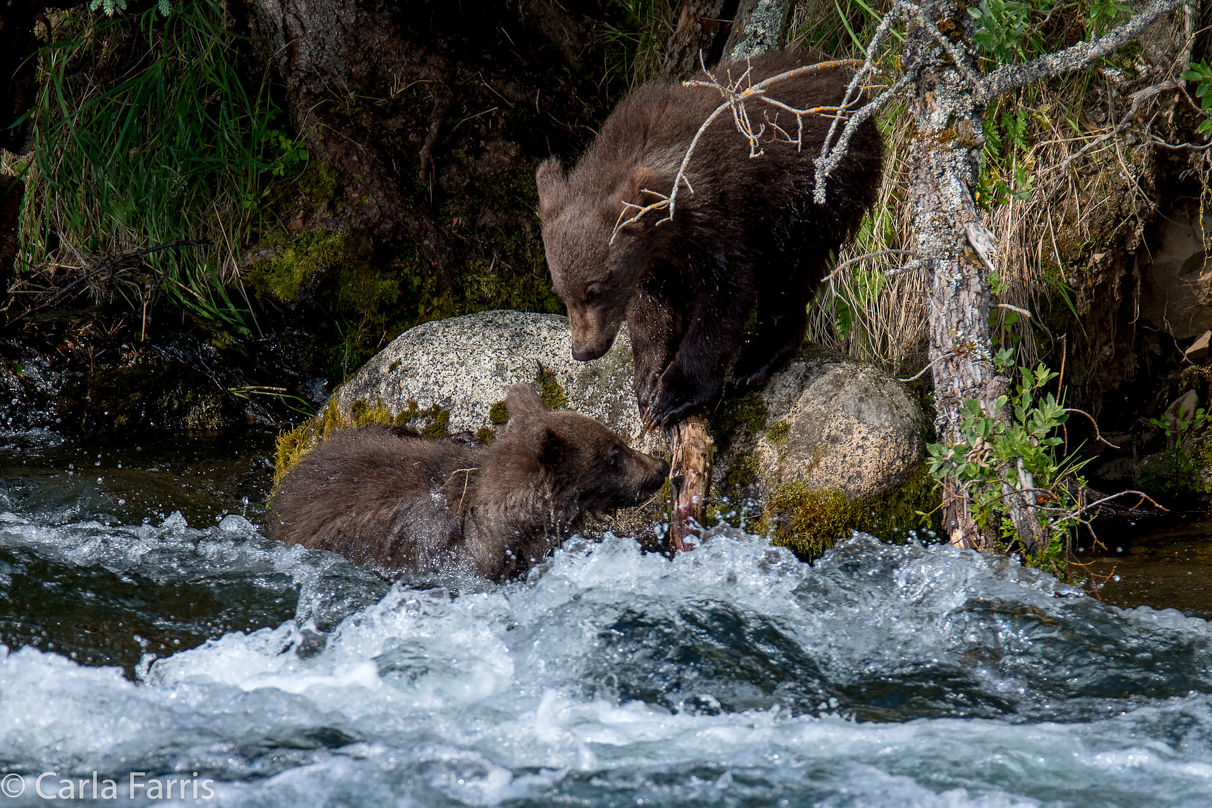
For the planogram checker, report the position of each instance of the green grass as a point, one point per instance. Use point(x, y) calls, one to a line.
point(146, 134)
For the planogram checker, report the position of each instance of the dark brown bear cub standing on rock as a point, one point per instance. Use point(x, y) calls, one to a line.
point(406, 504)
point(747, 244)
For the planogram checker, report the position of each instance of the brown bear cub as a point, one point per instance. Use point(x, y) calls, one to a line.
point(746, 246)
point(402, 504)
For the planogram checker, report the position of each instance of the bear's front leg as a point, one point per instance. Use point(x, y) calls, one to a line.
point(778, 332)
point(695, 378)
point(652, 327)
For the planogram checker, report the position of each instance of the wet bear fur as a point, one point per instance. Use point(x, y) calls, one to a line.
point(402, 504)
point(747, 248)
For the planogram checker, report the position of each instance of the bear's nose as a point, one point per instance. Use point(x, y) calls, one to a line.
point(584, 354)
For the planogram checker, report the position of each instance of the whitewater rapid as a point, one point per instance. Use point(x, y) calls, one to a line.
point(733, 675)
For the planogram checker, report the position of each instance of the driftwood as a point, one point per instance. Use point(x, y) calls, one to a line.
point(689, 477)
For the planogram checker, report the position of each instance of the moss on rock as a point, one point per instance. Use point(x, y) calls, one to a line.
point(285, 265)
point(550, 391)
point(748, 412)
point(292, 445)
point(809, 522)
point(498, 414)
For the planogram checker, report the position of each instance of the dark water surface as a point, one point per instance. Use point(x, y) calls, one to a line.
point(1169, 566)
point(147, 628)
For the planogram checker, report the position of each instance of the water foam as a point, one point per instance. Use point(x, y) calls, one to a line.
point(731, 675)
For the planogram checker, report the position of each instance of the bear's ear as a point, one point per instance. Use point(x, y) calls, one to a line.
point(551, 183)
point(642, 187)
point(645, 179)
point(521, 399)
point(549, 448)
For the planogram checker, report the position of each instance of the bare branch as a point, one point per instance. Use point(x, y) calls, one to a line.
point(1072, 58)
point(734, 100)
point(831, 154)
point(1098, 436)
point(864, 257)
point(830, 158)
point(1138, 97)
point(1142, 496)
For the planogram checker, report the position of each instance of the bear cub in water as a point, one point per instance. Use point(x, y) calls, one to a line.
point(402, 504)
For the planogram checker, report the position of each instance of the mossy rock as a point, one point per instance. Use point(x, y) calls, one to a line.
point(463, 365)
point(823, 420)
point(810, 521)
point(293, 444)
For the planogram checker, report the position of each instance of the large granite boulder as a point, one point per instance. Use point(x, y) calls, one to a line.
point(830, 423)
point(824, 423)
point(457, 370)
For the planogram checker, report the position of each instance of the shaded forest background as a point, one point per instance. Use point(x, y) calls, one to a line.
point(216, 215)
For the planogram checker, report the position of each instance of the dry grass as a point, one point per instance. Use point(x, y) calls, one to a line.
point(867, 308)
point(1089, 203)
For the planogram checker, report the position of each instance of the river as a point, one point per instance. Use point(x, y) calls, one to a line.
point(157, 650)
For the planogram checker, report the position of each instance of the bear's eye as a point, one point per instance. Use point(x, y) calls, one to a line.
point(594, 293)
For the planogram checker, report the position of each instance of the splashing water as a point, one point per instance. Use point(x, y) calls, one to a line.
point(733, 675)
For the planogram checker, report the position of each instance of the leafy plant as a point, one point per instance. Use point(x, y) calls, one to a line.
point(1016, 441)
point(1181, 428)
point(1005, 32)
point(110, 7)
point(1102, 15)
point(1200, 73)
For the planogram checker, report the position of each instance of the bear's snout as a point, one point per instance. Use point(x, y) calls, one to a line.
point(582, 353)
point(655, 472)
point(593, 332)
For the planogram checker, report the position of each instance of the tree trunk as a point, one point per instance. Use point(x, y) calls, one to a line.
point(699, 25)
point(758, 27)
point(943, 170)
point(941, 173)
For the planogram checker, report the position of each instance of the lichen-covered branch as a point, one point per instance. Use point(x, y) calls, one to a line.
point(1076, 57)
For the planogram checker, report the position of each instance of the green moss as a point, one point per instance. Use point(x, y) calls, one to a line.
point(319, 184)
point(434, 421)
point(293, 444)
point(778, 432)
point(1178, 471)
point(498, 413)
point(486, 436)
point(810, 522)
point(550, 391)
point(293, 260)
point(807, 521)
point(439, 424)
point(734, 413)
point(742, 473)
